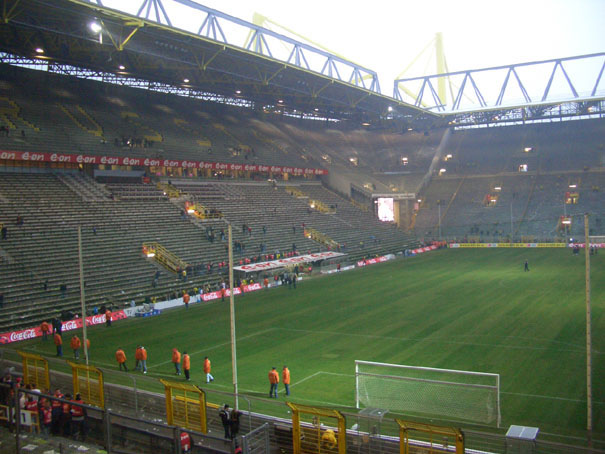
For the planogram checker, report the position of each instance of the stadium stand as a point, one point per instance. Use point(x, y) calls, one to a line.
point(557, 156)
point(113, 120)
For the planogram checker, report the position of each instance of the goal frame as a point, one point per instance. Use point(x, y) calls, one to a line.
point(431, 369)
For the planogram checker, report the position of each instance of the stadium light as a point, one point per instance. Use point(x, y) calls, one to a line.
point(39, 50)
point(238, 92)
point(527, 149)
point(95, 27)
point(121, 67)
point(390, 108)
point(186, 81)
point(573, 186)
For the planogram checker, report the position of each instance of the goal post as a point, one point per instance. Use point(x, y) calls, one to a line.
point(428, 391)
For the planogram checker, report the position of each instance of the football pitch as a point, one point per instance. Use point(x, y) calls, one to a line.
point(474, 310)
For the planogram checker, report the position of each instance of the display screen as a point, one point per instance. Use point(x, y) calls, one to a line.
point(385, 209)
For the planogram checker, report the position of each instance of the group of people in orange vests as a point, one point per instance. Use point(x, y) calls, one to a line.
point(274, 381)
point(140, 359)
point(181, 362)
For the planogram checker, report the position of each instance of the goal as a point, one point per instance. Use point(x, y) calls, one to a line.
point(430, 392)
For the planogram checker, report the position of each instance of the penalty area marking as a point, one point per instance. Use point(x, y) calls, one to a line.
point(319, 373)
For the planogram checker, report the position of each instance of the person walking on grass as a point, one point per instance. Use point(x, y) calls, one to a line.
point(75, 346)
point(186, 365)
point(121, 359)
point(58, 343)
point(207, 368)
point(526, 266)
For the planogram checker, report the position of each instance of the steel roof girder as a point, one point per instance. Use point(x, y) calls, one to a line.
point(157, 7)
point(596, 85)
point(558, 63)
point(211, 24)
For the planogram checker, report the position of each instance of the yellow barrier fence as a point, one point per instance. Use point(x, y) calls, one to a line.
point(185, 406)
point(317, 430)
point(429, 438)
point(88, 382)
point(35, 370)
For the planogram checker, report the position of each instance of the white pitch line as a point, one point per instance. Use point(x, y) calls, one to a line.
point(374, 336)
point(318, 373)
point(217, 346)
point(550, 397)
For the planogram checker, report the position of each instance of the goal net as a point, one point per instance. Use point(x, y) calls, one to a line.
point(426, 391)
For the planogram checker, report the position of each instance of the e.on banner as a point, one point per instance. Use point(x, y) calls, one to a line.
point(149, 162)
point(30, 333)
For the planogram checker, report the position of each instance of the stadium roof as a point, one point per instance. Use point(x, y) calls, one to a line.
point(149, 53)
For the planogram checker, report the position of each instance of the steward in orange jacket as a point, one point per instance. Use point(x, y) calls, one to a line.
point(176, 359)
point(141, 359)
point(209, 376)
point(121, 359)
point(75, 346)
point(59, 343)
point(285, 375)
point(274, 380)
point(45, 328)
point(186, 365)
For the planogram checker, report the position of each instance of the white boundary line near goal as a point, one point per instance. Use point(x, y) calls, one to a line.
point(319, 372)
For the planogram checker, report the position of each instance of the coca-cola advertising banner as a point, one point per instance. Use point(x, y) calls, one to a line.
point(149, 162)
point(30, 333)
point(420, 250)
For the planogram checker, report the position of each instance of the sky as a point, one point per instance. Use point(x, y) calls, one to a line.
point(387, 35)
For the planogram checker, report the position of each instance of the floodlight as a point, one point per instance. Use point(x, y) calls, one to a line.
point(95, 27)
point(238, 92)
point(390, 109)
point(186, 81)
point(122, 67)
point(39, 50)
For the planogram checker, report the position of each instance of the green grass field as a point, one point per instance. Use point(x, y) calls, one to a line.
point(470, 310)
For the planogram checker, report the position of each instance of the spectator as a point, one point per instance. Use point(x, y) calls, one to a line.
point(226, 420)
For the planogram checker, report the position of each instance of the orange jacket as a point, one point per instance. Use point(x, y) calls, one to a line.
point(273, 377)
point(45, 327)
point(186, 298)
point(120, 356)
point(58, 339)
point(88, 344)
point(206, 366)
point(176, 356)
point(186, 362)
point(75, 342)
point(138, 354)
point(285, 375)
point(143, 354)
